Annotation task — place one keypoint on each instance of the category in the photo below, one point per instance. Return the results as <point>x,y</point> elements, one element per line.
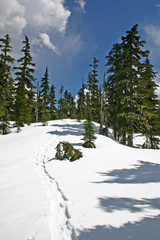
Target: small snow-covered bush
<point>65,150</point>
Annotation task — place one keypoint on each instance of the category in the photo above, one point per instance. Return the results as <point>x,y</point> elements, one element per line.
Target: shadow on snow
<point>130,204</point>
<point>147,229</point>
<point>144,172</point>
<point>68,129</point>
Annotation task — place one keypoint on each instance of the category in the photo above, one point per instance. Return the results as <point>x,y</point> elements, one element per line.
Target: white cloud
<point>47,42</point>
<point>20,16</point>
<point>32,17</point>
<point>12,18</point>
<point>153,32</point>
<point>81,5</point>
<point>46,15</point>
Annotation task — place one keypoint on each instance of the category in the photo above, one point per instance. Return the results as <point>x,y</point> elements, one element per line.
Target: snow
<point>113,192</point>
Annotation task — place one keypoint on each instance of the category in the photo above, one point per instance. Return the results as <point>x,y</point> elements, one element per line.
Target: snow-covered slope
<point>113,192</point>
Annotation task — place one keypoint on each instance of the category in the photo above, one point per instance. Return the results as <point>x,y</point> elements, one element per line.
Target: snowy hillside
<point>112,193</point>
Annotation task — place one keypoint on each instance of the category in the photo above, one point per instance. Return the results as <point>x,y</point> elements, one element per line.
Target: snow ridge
<point>58,214</point>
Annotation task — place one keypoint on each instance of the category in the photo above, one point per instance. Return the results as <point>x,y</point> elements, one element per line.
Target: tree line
<point>126,101</point>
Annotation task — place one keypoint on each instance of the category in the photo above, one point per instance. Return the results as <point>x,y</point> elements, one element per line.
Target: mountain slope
<point>113,192</point>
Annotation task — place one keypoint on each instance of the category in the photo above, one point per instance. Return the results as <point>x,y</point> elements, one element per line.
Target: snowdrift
<point>113,192</point>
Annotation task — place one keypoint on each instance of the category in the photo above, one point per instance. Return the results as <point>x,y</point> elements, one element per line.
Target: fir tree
<point>45,98</point>
<point>52,99</point>
<point>133,55</point>
<point>114,90</point>
<point>104,110</point>
<point>149,104</point>
<point>61,91</point>
<point>81,103</point>
<point>89,135</point>
<point>94,92</point>
<point>6,84</point>
<point>25,95</point>
<point>130,88</point>
<point>70,105</point>
<point>62,106</point>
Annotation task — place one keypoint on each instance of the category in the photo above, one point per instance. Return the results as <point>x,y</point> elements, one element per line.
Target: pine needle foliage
<point>65,150</point>
<point>25,95</point>
<point>6,84</point>
<point>89,134</point>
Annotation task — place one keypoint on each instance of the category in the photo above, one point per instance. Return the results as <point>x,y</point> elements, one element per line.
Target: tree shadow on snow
<point>144,172</point>
<point>147,229</point>
<point>67,129</point>
<point>130,204</point>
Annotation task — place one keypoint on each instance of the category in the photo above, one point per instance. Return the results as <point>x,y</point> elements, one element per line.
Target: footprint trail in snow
<point>58,215</point>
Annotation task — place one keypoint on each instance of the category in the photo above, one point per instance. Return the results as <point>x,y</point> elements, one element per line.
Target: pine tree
<point>89,134</point>
<point>133,55</point>
<point>6,84</point>
<point>114,91</point>
<point>130,88</point>
<point>94,92</point>
<point>45,98</point>
<point>61,90</point>
<point>25,95</point>
<point>148,102</point>
<point>104,110</point>
<point>70,105</point>
<point>81,103</point>
<point>52,99</point>
<point>62,105</point>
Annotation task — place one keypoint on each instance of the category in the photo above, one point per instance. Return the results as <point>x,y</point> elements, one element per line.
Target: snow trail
<point>58,214</point>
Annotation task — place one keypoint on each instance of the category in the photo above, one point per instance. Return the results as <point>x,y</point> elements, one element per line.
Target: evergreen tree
<point>25,95</point>
<point>62,106</point>
<point>148,102</point>
<point>89,134</point>
<point>45,98</point>
<point>61,91</point>
<point>52,98</point>
<point>133,55</point>
<point>130,88</point>
<point>104,110</point>
<point>114,91</point>
<point>94,92</point>
<point>70,105</point>
<point>6,84</point>
<point>81,103</point>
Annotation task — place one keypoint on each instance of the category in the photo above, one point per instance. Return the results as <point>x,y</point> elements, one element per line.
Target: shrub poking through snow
<point>65,150</point>
<point>89,134</point>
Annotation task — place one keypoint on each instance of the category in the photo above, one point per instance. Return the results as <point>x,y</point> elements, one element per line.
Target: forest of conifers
<point>126,102</point>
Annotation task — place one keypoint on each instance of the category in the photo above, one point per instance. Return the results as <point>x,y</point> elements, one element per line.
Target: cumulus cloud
<point>81,5</point>
<point>12,19</point>
<point>47,42</point>
<point>34,15</point>
<point>46,15</point>
<point>153,32</point>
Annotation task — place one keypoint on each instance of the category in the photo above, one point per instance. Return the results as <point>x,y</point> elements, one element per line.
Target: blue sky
<point>65,35</point>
